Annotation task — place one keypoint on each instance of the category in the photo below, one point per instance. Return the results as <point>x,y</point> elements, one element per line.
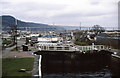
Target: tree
<point>13,32</point>
<point>97,29</point>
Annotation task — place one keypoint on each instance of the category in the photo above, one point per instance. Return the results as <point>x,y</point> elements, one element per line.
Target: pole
<point>80,25</point>
<point>16,34</point>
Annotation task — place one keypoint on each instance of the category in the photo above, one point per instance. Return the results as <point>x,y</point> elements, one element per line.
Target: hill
<point>8,21</point>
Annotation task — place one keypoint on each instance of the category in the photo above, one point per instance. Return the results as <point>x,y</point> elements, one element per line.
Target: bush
<point>7,42</point>
<point>81,43</point>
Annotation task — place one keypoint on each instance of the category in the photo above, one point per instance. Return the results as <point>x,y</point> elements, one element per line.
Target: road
<point>7,50</point>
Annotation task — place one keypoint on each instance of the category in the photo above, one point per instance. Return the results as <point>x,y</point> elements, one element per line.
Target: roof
<point>47,36</point>
<point>103,35</point>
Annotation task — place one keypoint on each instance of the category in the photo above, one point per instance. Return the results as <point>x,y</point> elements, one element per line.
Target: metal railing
<point>92,47</point>
<point>69,48</point>
<point>56,48</point>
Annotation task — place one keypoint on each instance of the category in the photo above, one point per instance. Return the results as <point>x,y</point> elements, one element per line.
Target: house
<point>48,39</point>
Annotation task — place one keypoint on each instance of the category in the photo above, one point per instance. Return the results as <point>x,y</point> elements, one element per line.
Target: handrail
<point>69,48</point>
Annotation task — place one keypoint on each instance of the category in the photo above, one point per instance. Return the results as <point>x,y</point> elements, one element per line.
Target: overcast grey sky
<point>64,12</point>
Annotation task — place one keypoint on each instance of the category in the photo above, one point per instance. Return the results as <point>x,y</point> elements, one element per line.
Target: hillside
<point>8,21</point>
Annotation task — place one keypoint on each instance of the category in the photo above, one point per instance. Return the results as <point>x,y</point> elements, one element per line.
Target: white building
<point>49,39</point>
<point>34,35</point>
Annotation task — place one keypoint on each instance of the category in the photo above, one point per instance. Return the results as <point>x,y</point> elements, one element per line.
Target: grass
<point>14,49</point>
<point>11,66</point>
<point>81,43</point>
<point>7,42</point>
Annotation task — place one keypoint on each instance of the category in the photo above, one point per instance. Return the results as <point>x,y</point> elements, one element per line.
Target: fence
<point>69,48</point>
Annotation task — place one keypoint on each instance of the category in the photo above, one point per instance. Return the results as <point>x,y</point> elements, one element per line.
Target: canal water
<point>97,64</point>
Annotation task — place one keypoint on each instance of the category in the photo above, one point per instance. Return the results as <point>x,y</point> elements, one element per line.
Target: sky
<point>64,12</point>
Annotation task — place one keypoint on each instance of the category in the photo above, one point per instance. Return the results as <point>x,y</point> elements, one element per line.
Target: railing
<point>57,48</point>
<point>69,48</point>
<point>92,47</point>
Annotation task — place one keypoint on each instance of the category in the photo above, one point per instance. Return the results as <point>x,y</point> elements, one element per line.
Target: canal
<point>95,64</point>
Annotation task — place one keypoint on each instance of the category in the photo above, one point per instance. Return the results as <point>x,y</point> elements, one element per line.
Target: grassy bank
<point>11,66</point>
<point>7,42</point>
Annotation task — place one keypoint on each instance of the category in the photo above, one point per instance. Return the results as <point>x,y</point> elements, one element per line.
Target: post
<point>80,25</point>
<point>92,46</point>
<point>16,39</point>
<point>16,34</point>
